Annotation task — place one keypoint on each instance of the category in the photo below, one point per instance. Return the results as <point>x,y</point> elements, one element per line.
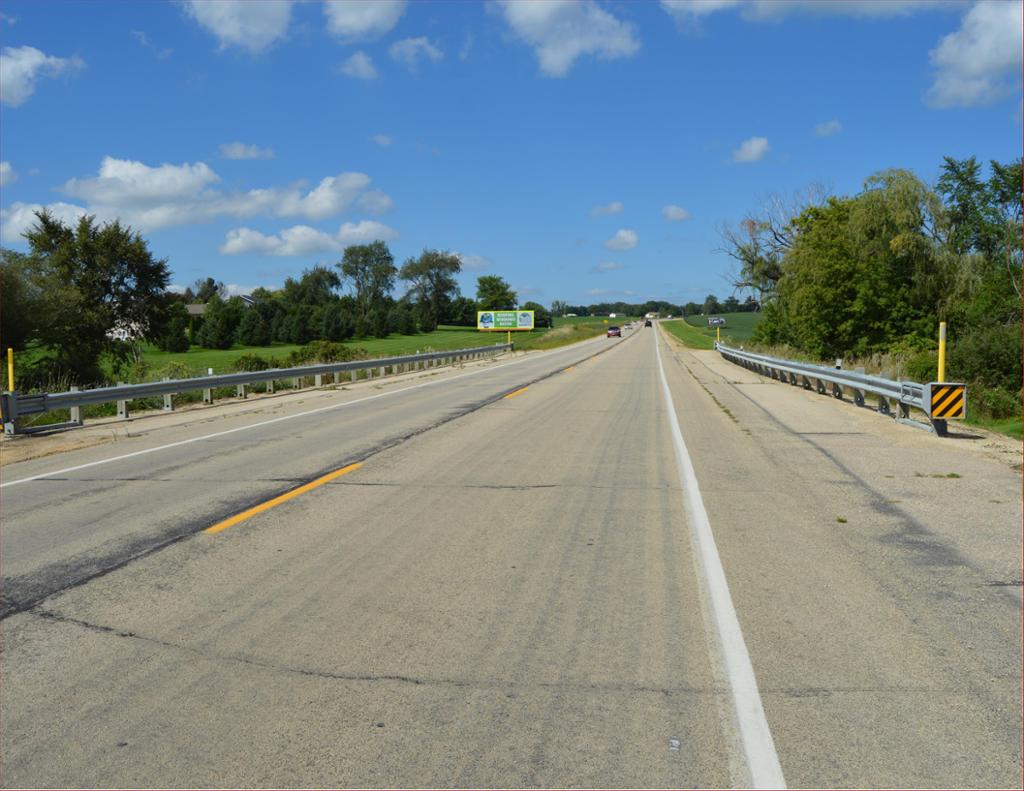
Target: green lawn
<point>690,336</point>
<point>738,326</point>
<point>1011,426</point>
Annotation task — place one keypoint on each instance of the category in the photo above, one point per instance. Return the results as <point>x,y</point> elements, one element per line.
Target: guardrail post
<point>240,391</point>
<point>270,387</point>
<point>76,411</point>
<point>207,395</point>
<point>122,406</point>
<point>168,398</point>
<point>382,370</point>
<point>355,374</point>
<point>10,407</point>
<point>296,384</point>
<point>883,405</point>
<point>337,377</point>
<point>318,380</point>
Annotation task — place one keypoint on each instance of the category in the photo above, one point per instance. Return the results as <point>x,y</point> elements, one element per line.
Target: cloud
<point>304,240</point>
<point>362,20</point>
<point>614,207</point>
<point>242,151</point>
<point>624,239</point>
<point>8,175</point>
<point>608,292</point>
<point>411,50</point>
<point>382,140</point>
<point>828,128</point>
<point>149,198</point>
<point>751,150</point>
<point>561,31</point>
<point>143,39</point>
<point>981,62</point>
<point>17,219</point>
<point>238,23</point>
<point>674,213</point>
<point>607,266</point>
<point>688,12</point>
<point>21,67</point>
<point>473,263</point>
<point>360,66</point>
<point>376,202</point>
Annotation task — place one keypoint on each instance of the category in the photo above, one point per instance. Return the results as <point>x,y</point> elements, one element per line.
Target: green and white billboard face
<point>504,320</point>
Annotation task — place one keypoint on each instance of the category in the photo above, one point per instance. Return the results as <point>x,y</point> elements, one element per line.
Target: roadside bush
<point>175,369</point>
<point>325,352</point>
<point>989,355</point>
<point>253,362</point>
<point>990,402</point>
<point>922,367</point>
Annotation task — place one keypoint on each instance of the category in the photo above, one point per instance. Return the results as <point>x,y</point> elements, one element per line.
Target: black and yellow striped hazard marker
<point>947,401</point>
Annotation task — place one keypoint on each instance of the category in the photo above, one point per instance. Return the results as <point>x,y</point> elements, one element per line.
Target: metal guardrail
<point>895,398</point>
<point>17,405</point>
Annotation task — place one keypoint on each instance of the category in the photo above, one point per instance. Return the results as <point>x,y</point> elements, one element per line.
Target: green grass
<point>690,336</point>
<point>738,326</point>
<point>1011,426</point>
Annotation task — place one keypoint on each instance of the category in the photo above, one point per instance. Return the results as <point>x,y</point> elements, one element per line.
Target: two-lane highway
<point>516,588</point>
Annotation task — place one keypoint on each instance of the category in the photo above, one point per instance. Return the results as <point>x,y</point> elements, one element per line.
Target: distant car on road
<point>614,332</point>
<point>647,323</point>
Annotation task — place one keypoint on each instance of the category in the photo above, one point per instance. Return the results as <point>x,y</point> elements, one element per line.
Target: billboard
<point>504,320</point>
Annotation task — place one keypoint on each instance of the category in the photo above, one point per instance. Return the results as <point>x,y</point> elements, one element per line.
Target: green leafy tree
<point>95,279</point>
<point>431,278</point>
<point>218,330</point>
<point>21,301</point>
<point>253,329</point>
<point>175,336</point>
<point>461,312</point>
<point>541,315</point>
<point>559,308</point>
<point>203,289</point>
<point>493,293</point>
<point>371,271</point>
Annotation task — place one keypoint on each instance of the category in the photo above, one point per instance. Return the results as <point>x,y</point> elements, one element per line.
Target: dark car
<point>647,323</point>
<point>614,332</point>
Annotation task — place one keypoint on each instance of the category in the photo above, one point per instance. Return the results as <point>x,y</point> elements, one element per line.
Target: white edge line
<point>263,423</point>
<point>755,736</point>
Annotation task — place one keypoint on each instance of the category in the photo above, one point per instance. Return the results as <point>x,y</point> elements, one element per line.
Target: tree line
<point>88,294</point>
<point>876,271</point>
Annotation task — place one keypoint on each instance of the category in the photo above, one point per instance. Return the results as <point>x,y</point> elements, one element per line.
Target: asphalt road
<point>511,590</point>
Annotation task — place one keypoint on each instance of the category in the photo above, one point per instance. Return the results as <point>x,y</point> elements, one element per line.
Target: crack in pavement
<point>485,684</point>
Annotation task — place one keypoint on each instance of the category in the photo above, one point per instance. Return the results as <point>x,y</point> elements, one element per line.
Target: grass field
<point>695,332</point>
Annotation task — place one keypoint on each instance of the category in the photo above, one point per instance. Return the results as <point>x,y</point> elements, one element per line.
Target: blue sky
<point>585,151</point>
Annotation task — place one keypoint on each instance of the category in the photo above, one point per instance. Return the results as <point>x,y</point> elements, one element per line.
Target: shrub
<point>325,352</point>
<point>253,362</point>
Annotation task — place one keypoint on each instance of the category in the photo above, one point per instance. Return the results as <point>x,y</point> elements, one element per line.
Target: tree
<point>337,323</point>
<point>711,304</point>
<point>21,302</point>
<point>175,337</point>
<point>95,279</point>
<point>202,290</point>
<point>218,330</point>
<point>315,287</point>
<point>432,281</point>
<point>559,308</point>
<point>461,312</point>
<point>493,293</point>
<point>253,329</point>
<point>541,315</point>
<point>371,270</point>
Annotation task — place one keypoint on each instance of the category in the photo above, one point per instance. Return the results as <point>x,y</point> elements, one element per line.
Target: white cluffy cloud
<point>242,151</point>
<point>362,20</point>
<point>382,140</point>
<point>674,213</point>
<point>624,239</point>
<point>615,207</point>
<point>149,198</point>
<point>751,150</point>
<point>607,266</point>
<point>304,240</point>
<point>411,51</point>
<point>239,23</point>
<point>7,174</point>
<point>689,11</point>
<point>981,62</point>
<point>21,67</point>
<point>828,128</point>
<point>560,31</point>
<point>359,65</point>
<point>473,263</point>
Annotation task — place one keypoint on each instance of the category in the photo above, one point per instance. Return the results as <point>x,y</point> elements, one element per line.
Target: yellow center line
<point>568,369</point>
<point>514,393</point>
<point>283,498</point>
